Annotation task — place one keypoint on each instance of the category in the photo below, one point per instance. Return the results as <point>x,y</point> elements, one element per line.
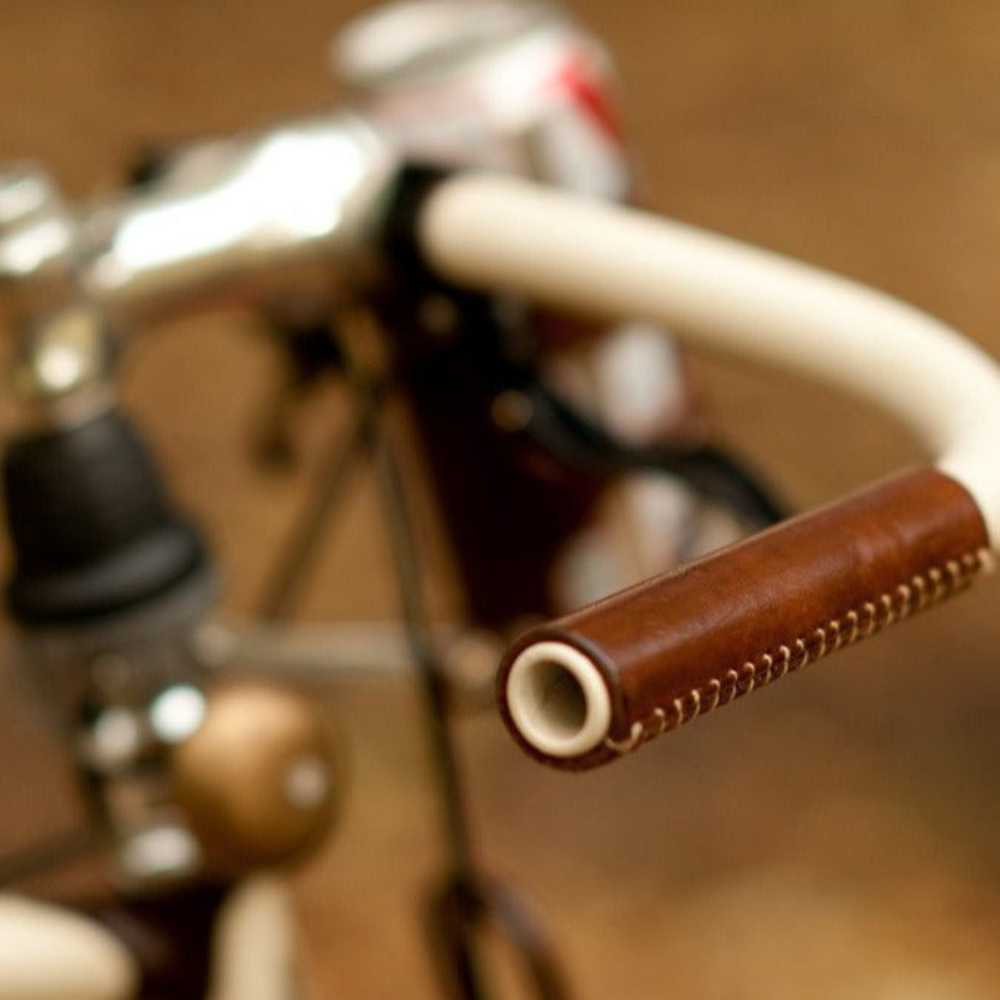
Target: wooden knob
<point>258,780</point>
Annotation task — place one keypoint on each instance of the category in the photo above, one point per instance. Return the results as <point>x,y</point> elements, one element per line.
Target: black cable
<point>465,970</point>
<point>418,631</point>
<point>463,909</point>
<point>712,472</point>
<point>468,901</point>
<point>301,549</point>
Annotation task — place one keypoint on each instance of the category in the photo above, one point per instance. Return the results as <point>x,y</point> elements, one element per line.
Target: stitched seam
<point>920,591</point>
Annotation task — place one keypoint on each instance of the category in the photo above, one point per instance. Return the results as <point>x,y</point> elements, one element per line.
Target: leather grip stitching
<point>871,616</point>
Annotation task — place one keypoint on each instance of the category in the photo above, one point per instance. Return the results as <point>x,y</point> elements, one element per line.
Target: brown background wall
<point>834,838</point>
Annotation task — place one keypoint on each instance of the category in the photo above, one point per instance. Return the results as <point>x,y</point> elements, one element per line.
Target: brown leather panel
<point>682,644</point>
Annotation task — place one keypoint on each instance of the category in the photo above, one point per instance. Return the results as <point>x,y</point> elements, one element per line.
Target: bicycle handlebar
<point>598,683</point>
<point>607,678</point>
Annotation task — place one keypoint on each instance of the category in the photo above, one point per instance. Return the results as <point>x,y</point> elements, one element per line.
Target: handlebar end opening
<point>558,700</point>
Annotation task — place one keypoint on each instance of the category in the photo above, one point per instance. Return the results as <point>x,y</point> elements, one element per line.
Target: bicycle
<point>458,264</point>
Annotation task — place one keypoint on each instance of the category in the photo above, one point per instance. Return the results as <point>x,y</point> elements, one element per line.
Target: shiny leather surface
<point>685,643</point>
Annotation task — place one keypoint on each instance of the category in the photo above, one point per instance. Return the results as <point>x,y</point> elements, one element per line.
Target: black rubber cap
<point>91,527</point>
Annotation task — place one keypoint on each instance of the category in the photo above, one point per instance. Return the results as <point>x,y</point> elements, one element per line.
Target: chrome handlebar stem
<point>287,210</point>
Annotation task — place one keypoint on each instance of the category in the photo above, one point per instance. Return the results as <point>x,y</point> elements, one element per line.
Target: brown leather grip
<point>679,645</point>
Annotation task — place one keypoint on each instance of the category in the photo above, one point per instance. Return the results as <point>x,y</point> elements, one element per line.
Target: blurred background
<point>835,837</point>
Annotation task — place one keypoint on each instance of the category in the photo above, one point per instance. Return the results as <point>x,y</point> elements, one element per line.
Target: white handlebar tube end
<point>558,700</point>
<point>49,951</point>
